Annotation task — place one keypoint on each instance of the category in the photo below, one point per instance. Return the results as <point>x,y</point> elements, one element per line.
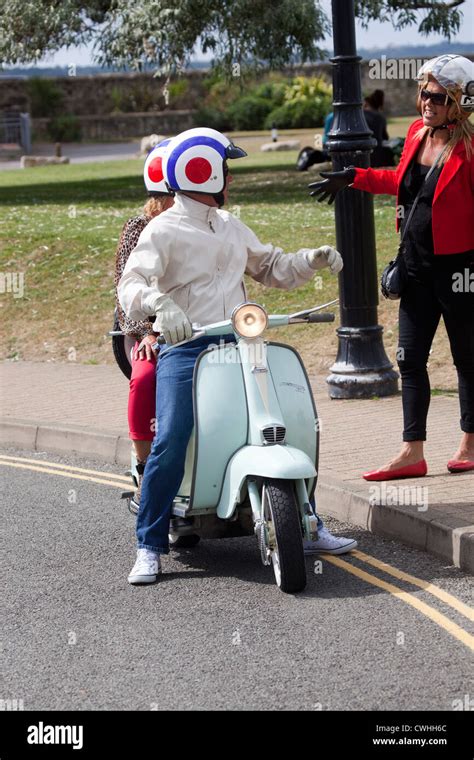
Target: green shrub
<point>179,88</point>
<point>207,116</point>
<point>271,91</point>
<point>306,103</point>
<point>65,128</point>
<point>297,115</point>
<point>291,103</point>
<point>307,88</point>
<point>249,112</point>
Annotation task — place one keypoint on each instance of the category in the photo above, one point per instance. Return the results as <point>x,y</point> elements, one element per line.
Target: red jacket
<point>453,202</point>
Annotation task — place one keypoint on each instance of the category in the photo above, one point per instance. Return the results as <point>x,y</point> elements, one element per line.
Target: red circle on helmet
<point>198,170</point>
<point>155,170</point>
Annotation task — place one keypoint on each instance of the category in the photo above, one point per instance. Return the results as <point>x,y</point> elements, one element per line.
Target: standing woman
<point>141,400</point>
<point>437,251</point>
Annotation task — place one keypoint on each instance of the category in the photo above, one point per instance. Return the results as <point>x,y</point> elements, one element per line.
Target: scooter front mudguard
<point>282,462</point>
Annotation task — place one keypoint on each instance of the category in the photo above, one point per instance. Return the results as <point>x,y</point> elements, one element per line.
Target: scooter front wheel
<point>285,536</point>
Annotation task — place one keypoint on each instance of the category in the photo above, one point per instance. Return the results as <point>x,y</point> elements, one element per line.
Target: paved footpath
<point>74,407</point>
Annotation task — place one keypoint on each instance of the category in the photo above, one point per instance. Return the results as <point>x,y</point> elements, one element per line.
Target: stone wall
<point>103,94</point>
<point>110,106</point>
<point>124,125</point>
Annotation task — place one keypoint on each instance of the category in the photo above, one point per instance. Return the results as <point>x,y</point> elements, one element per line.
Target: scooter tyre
<point>281,500</point>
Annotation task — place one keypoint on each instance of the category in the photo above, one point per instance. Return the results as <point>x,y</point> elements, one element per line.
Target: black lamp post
<point>362,368</point>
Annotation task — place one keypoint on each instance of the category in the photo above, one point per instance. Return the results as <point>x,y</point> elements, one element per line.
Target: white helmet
<point>195,161</point>
<point>153,170</point>
<point>452,71</point>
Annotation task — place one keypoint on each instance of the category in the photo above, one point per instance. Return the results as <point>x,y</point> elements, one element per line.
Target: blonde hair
<point>156,205</point>
<point>463,128</point>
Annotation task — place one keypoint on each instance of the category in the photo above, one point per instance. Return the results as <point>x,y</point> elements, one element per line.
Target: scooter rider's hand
<point>332,184</point>
<point>171,321</point>
<point>318,258</point>
<point>145,350</point>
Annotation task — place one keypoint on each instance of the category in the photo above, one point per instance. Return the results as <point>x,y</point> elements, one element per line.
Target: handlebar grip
<point>326,317</point>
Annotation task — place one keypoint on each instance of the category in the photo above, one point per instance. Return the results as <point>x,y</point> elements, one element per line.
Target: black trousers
<point>447,290</point>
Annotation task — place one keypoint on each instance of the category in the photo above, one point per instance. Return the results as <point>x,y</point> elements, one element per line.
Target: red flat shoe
<point>464,466</point>
<point>417,470</point>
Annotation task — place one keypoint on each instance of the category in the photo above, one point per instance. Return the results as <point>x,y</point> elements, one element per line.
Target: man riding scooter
<point>188,268</point>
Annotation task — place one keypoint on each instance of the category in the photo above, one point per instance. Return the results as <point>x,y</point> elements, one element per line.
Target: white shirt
<point>197,255</point>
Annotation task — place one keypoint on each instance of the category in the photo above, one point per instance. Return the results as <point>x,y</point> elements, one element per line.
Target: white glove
<point>171,321</point>
<point>318,258</point>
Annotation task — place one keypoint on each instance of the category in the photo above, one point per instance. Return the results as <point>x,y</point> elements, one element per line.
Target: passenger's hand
<point>171,321</point>
<point>145,350</point>
<point>318,258</point>
<point>332,184</point>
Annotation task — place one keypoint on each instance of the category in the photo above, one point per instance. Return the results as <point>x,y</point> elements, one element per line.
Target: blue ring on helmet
<point>182,147</point>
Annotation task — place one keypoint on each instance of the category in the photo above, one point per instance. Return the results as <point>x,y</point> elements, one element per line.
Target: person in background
<point>309,156</point>
<point>437,251</point>
<point>141,399</point>
<point>328,122</point>
<point>381,155</point>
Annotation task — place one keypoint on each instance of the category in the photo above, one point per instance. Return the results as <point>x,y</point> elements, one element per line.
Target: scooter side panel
<point>296,400</point>
<point>220,419</point>
<point>282,462</point>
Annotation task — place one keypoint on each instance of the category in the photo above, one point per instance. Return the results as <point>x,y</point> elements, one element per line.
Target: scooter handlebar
<point>274,320</point>
<point>325,317</point>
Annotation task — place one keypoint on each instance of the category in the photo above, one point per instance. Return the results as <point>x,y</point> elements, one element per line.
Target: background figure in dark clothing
<point>382,155</point>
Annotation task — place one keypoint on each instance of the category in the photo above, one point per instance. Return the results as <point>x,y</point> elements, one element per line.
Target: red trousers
<point>141,399</point>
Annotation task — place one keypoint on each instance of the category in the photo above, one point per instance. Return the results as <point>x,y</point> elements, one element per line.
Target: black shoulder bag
<point>394,275</point>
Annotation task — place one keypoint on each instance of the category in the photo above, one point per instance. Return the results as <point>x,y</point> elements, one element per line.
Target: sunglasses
<point>437,98</point>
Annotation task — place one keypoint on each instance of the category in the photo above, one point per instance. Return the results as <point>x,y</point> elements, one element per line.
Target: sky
<point>377,35</point>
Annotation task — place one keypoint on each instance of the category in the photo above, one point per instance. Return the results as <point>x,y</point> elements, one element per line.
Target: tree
<point>164,33</point>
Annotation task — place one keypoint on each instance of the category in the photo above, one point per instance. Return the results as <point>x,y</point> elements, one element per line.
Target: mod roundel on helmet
<point>196,161</point>
<point>153,170</point>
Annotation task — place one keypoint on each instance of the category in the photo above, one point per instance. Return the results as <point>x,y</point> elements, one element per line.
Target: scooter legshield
<point>222,426</point>
<point>282,462</point>
<point>220,422</point>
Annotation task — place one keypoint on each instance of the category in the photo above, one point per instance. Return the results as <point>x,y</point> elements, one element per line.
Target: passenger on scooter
<point>188,267</point>
<point>141,400</point>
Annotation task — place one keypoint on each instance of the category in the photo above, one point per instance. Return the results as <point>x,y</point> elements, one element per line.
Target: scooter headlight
<point>249,320</point>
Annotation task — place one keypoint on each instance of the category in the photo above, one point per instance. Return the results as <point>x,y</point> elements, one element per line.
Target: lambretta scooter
<point>251,464</point>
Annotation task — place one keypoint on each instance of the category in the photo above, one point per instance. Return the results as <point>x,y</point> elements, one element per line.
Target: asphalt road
<point>214,632</point>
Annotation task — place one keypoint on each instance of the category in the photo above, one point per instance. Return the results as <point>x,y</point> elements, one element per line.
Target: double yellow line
<point>122,482</point>
<point>405,596</point>
<point>67,471</point>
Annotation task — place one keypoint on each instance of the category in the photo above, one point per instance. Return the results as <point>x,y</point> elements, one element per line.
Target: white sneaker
<point>329,544</point>
<point>146,568</point>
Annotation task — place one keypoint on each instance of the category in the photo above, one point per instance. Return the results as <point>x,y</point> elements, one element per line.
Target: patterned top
<point>128,240</point>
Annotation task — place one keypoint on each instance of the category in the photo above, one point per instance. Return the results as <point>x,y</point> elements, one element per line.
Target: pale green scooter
<point>252,460</point>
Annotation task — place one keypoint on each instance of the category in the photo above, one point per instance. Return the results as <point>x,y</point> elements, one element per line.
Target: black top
<point>418,250</point>
<point>378,124</point>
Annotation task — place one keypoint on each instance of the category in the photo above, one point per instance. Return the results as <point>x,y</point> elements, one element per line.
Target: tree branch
<point>414,5</point>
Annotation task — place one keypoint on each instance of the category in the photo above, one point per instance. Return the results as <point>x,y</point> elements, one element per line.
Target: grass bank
<point>60,227</point>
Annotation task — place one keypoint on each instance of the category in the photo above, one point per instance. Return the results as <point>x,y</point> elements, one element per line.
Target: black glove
<point>333,182</point>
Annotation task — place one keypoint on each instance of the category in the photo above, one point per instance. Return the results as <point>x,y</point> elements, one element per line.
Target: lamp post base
<point>362,368</point>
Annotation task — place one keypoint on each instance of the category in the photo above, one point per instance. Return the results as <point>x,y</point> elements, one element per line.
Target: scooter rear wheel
<point>283,519</point>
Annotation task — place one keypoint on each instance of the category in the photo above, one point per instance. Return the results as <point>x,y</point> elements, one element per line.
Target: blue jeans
<point>165,465</point>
